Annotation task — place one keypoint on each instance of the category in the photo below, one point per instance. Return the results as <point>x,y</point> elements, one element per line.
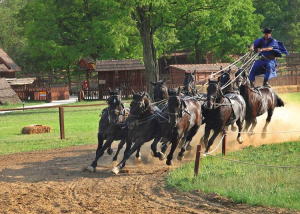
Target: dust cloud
<point>285,120</point>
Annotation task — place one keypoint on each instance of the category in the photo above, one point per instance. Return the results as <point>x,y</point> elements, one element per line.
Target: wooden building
<point>127,74</point>
<point>7,66</point>
<point>176,73</point>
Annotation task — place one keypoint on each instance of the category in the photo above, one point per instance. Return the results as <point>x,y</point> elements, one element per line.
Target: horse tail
<point>280,102</point>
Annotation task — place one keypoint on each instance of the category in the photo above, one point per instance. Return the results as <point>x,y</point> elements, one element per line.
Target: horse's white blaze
<point>115,170</point>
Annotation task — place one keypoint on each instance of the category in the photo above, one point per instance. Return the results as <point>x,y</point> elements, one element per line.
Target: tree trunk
<point>149,51</point>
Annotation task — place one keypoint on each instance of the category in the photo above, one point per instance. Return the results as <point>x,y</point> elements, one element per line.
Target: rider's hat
<point>267,30</point>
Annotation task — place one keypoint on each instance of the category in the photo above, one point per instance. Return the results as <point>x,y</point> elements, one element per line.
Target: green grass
<point>254,185</point>
<point>290,97</point>
<point>81,127</point>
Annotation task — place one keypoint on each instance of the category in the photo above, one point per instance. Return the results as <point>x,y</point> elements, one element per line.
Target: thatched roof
<point>7,94</point>
<point>7,64</point>
<point>119,65</point>
<point>21,81</point>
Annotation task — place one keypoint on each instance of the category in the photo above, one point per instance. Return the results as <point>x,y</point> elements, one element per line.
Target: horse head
<point>160,90</point>
<point>189,83</point>
<point>224,79</point>
<point>214,92</point>
<point>241,77</point>
<point>116,107</point>
<point>175,106</point>
<point>139,104</point>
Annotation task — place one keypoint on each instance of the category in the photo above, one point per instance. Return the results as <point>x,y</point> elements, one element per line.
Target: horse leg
<point>247,125</point>
<point>100,142</point>
<point>109,150</point>
<point>189,138</point>
<point>253,122</point>
<point>206,136</point>
<point>138,158</point>
<point>174,141</point>
<point>128,146</point>
<point>212,139</point>
<point>127,155</point>
<point>239,124</point>
<point>164,147</point>
<point>120,146</point>
<point>154,151</point>
<point>233,128</point>
<point>99,153</point>
<point>268,120</point>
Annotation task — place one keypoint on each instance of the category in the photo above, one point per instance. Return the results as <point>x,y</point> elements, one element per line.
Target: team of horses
<point>175,116</point>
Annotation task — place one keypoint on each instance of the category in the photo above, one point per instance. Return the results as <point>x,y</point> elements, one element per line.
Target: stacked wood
<point>36,129</point>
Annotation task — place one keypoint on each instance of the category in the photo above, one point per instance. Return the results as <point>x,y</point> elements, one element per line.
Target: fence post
<point>197,160</point>
<point>61,123</point>
<point>224,142</point>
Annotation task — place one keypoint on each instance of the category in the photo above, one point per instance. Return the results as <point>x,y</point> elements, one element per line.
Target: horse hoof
<point>114,163</point>
<point>115,170</point>
<point>109,151</point>
<point>204,154</point>
<point>90,169</point>
<point>240,140</point>
<point>180,157</point>
<point>138,160</point>
<point>169,162</point>
<point>250,133</point>
<point>189,148</point>
<point>233,128</point>
<point>161,156</point>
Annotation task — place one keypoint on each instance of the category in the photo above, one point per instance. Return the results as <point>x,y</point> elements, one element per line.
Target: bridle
<point>117,112</point>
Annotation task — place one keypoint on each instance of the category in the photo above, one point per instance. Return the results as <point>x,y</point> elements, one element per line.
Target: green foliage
<point>254,185</point>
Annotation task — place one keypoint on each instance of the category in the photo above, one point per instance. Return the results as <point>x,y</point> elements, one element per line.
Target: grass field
<point>244,183</point>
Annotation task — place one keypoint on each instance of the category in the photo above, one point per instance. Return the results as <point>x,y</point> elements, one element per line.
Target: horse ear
<point>120,90</point>
<point>109,90</point>
<point>178,91</point>
<point>221,67</point>
<point>154,84</point>
<point>194,72</point>
<point>143,94</point>
<point>132,91</point>
<point>164,80</point>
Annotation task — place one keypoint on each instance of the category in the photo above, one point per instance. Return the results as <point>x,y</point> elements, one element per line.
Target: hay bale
<point>36,129</point>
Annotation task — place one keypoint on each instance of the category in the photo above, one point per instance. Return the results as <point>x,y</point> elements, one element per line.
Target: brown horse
<point>258,101</point>
<point>185,118</point>
<point>222,111</point>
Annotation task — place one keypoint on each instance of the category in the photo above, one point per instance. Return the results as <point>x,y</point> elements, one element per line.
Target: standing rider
<point>268,49</point>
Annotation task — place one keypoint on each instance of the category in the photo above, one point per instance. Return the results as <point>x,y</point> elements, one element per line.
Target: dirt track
<point>54,181</point>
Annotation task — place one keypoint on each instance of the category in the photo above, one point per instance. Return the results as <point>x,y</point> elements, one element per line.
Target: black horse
<point>142,125</point>
<point>160,90</point>
<point>112,127</point>
<point>222,111</point>
<point>189,84</point>
<point>258,101</point>
<point>185,119</point>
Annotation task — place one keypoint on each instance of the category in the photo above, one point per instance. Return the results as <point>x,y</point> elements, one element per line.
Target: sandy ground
<point>54,181</point>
